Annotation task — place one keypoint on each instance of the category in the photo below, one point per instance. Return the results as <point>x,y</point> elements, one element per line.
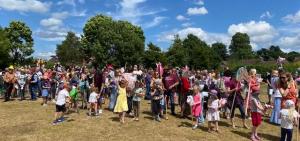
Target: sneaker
<point>54,122</point>
<point>100,111</point>
<point>96,114</point>
<point>195,127</point>
<point>158,119</point>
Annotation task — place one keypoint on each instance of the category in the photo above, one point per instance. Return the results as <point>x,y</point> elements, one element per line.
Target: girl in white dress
<point>213,115</point>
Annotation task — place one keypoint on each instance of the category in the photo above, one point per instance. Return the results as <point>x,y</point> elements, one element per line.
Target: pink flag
<point>159,68</point>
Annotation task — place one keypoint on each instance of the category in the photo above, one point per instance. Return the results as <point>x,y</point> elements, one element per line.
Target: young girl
<point>157,96</point>
<point>289,117</point>
<point>121,105</point>
<point>213,111</point>
<point>137,96</point>
<point>45,89</point>
<point>256,117</point>
<point>93,101</point>
<point>196,105</point>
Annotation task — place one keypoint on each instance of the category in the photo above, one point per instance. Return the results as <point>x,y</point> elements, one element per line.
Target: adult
<point>287,88</point>
<point>276,98</point>
<point>33,83</point>
<point>184,90</point>
<point>9,80</point>
<point>235,99</point>
<point>171,82</point>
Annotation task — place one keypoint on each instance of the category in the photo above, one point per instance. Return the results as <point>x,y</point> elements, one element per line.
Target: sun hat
<point>11,67</point>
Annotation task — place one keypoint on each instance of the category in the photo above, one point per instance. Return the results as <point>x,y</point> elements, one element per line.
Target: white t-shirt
<point>93,97</point>
<point>61,97</point>
<point>285,121</point>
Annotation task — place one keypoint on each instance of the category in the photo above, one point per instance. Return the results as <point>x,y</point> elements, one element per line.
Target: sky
<point>267,22</point>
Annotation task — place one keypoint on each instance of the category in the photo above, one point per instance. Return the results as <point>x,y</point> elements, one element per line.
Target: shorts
<point>60,108</point>
<point>45,93</point>
<point>256,119</point>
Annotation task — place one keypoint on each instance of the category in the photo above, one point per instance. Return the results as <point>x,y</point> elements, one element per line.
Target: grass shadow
<point>185,124</point>
<point>70,120</point>
<point>242,134</point>
<point>115,119</point>
<point>265,136</point>
<point>149,118</point>
<point>147,113</point>
<point>223,123</point>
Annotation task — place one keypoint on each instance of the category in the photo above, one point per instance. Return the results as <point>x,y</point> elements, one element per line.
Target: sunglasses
<point>282,77</point>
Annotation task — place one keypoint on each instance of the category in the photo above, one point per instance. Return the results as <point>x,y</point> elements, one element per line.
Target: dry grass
<point>28,120</point>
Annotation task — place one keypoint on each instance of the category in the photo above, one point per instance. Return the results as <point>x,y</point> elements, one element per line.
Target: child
<point>93,101</point>
<point>157,96</point>
<point>289,117</point>
<point>196,105</point>
<point>45,89</point>
<point>213,111</point>
<point>256,115</point>
<point>74,98</point>
<point>138,94</point>
<point>121,105</point>
<point>60,104</point>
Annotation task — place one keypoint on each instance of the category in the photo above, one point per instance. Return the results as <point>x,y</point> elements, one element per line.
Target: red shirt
<point>185,87</point>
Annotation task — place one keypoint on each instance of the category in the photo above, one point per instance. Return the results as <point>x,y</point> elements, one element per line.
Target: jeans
<point>241,108</point>
<point>170,94</point>
<point>286,133</point>
<point>136,108</point>
<point>112,98</point>
<point>129,102</point>
<point>148,94</point>
<point>33,89</point>
<point>9,87</point>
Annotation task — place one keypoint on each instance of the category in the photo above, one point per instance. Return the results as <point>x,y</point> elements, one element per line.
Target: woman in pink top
<point>196,106</point>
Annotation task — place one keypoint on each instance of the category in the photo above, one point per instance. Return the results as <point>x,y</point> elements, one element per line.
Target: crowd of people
<point>207,95</point>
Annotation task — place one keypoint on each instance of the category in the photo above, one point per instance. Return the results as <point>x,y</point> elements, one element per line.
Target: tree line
<point>108,41</point>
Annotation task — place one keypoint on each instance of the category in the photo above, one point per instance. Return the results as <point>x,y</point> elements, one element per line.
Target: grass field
<point>29,120</point>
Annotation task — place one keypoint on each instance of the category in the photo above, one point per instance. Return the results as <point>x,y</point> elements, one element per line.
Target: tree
<point>177,55</point>
<point>4,49</point>
<point>21,41</point>
<point>240,47</point>
<point>68,52</point>
<point>291,56</point>
<point>275,52</point>
<point>264,54</point>
<point>109,41</point>
<point>220,49</point>
<point>153,55</point>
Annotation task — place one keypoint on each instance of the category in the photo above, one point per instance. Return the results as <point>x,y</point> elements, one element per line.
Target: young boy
<point>61,104</point>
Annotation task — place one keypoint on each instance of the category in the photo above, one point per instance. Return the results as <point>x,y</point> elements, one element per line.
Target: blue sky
<point>267,22</point>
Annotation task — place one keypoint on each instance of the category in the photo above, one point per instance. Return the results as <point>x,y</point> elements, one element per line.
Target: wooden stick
<point>298,125</point>
<point>232,105</point>
<point>247,101</point>
<point>166,104</point>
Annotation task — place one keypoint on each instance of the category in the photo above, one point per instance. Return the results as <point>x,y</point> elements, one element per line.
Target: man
<point>61,104</point>
<point>171,81</point>
<point>9,80</point>
<point>33,84</point>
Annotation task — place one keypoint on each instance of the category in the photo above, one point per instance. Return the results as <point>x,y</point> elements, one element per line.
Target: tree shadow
<point>149,118</point>
<point>70,120</point>
<point>147,113</point>
<point>185,124</point>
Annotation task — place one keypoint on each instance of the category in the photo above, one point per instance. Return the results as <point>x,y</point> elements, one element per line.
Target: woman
<point>287,88</point>
<point>237,102</point>
<point>276,98</point>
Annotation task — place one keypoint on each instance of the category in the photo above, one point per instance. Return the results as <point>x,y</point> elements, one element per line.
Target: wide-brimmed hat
<point>11,67</point>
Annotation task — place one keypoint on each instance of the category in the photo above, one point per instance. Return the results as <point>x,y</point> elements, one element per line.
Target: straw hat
<point>11,67</point>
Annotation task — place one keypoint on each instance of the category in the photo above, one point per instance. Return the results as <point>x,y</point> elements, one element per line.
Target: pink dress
<point>197,109</point>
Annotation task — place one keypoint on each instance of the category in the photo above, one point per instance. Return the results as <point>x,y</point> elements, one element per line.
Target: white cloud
<point>208,37</point>
<point>44,55</point>
<point>199,2</point>
<point>187,24</point>
<point>81,1</point>
<point>48,35</point>
<point>266,15</point>
<point>25,5</point>
<point>259,32</point>
<point>181,18</point>
<point>290,42</point>
<point>290,18</point>
<point>156,21</point>
<point>67,2</point>
<point>197,11</point>
<point>50,22</point>
<point>60,15</point>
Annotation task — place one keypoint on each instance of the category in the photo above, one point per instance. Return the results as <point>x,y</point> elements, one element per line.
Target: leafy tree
<point>291,56</point>
<point>153,55</point>
<point>68,52</point>
<point>21,41</point>
<point>109,41</point>
<point>240,47</point>
<point>177,55</point>
<point>264,53</point>
<point>220,49</point>
<point>4,49</point>
<point>275,52</point>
